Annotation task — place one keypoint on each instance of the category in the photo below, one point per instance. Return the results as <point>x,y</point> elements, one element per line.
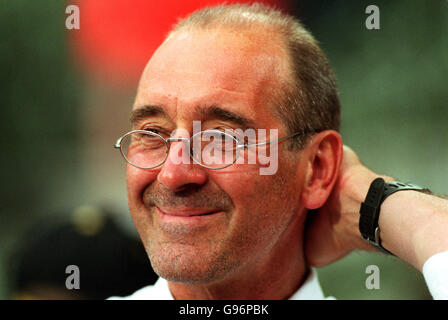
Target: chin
<point>190,266</point>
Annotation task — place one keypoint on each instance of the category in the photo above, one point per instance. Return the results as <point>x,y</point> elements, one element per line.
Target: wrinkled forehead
<point>191,61</point>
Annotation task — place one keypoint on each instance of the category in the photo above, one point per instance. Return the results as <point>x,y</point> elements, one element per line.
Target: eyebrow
<point>143,112</point>
<point>216,112</point>
<point>205,111</point>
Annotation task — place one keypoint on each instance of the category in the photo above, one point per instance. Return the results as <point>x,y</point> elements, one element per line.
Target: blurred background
<point>66,97</point>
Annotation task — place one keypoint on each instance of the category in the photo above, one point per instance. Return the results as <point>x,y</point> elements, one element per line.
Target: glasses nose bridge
<point>178,139</point>
<point>169,140</point>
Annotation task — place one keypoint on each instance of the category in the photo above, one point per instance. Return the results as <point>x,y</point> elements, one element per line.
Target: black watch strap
<point>370,209</point>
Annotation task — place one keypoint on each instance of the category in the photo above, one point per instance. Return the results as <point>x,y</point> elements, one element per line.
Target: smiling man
<point>233,233</point>
<point>229,232</point>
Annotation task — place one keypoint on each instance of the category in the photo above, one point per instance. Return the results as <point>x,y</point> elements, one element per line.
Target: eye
<point>153,130</point>
<point>233,132</point>
<point>218,129</point>
<point>157,130</point>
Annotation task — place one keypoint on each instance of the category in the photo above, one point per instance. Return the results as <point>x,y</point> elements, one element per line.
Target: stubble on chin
<point>190,264</point>
<point>183,253</point>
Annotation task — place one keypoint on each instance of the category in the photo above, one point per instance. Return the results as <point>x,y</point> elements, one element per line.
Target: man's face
<point>200,225</point>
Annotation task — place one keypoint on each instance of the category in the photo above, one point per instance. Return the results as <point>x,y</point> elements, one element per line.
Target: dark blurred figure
<point>110,262</point>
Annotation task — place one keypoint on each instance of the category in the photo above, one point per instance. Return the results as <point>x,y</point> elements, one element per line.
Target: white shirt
<point>435,272</point>
<point>310,290</point>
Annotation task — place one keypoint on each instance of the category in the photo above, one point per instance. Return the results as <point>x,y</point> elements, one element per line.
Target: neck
<point>276,275</point>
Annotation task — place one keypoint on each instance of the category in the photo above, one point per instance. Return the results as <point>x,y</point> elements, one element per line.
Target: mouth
<point>187,212</point>
<point>192,217</point>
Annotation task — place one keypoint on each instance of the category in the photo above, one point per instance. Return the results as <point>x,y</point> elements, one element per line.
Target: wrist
<point>370,211</point>
<point>398,225</point>
<point>358,197</point>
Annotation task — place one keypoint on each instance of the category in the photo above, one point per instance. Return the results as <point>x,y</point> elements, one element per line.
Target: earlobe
<point>324,163</point>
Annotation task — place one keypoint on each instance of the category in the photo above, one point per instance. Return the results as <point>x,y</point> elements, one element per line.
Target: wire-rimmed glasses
<point>212,149</point>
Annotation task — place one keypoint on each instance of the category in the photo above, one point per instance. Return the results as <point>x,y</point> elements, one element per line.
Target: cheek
<point>250,193</point>
<point>265,199</point>
<point>263,210</point>
<point>237,184</point>
<point>137,180</point>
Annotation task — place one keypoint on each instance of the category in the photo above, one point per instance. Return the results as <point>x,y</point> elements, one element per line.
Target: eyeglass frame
<point>239,146</point>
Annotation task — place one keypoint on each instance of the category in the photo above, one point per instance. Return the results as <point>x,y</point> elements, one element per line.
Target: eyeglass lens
<point>212,149</point>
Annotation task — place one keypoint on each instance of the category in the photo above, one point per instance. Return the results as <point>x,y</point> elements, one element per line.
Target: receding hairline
<point>244,18</point>
<point>257,31</point>
<point>307,97</point>
<point>254,20</point>
<point>235,19</point>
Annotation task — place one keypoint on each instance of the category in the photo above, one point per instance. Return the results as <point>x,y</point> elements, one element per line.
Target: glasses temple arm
<point>118,143</point>
<point>269,142</point>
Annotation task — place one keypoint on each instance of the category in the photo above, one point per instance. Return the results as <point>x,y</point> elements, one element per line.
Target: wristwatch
<point>370,209</point>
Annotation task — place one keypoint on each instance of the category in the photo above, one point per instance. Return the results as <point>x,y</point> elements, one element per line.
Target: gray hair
<point>308,101</point>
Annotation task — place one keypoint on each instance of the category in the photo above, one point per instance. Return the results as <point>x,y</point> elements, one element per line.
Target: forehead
<point>235,70</point>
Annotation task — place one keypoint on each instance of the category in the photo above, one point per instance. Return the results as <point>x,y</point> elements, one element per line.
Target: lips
<point>187,212</point>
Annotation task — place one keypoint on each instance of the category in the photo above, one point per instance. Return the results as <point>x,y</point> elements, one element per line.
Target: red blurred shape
<point>117,37</point>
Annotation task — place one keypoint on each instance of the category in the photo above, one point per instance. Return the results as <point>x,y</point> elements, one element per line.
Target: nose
<point>179,170</point>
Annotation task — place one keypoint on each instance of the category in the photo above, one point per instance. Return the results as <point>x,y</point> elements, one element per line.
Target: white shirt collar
<point>310,290</point>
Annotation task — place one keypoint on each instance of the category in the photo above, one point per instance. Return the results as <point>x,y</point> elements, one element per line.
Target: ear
<point>324,160</point>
